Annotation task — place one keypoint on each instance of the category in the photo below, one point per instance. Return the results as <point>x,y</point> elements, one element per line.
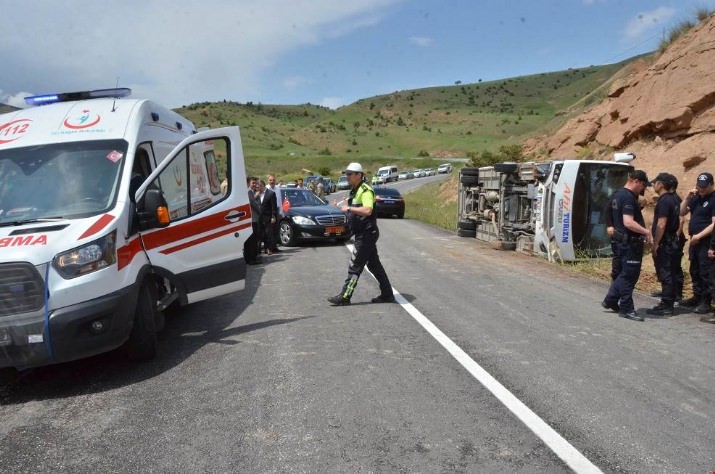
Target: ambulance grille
<point>20,289</point>
<point>331,220</point>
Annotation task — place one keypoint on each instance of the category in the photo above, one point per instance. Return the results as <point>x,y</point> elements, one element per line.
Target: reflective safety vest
<point>361,196</point>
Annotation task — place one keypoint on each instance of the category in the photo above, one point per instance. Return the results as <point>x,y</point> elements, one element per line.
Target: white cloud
<point>15,100</point>
<point>648,21</point>
<point>421,40</point>
<point>332,102</point>
<point>173,52</point>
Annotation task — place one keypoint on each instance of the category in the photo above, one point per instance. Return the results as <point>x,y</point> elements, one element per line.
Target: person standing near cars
<point>279,199</point>
<point>666,248</point>
<point>363,223</point>
<point>252,244</point>
<point>700,203</point>
<point>269,216</point>
<point>630,234</point>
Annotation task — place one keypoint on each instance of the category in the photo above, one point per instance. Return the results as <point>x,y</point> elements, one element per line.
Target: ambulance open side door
<point>196,234</point>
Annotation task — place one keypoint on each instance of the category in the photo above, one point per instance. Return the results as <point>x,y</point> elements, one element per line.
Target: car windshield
<point>66,180</point>
<point>302,197</point>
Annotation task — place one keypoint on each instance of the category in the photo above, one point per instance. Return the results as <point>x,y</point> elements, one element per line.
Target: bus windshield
<point>595,184</point>
<point>59,180</point>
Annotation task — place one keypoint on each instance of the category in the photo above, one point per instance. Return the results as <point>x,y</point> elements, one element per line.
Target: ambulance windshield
<point>59,180</point>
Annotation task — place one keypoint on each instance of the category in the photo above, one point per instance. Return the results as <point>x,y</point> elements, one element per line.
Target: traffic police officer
<point>363,223</point>
<point>666,248</point>
<point>630,235</point>
<point>700,203</point>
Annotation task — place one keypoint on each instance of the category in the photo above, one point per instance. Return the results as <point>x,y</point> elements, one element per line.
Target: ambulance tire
<point>141,345</point>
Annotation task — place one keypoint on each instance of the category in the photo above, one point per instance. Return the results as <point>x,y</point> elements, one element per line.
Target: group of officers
<point>629,236</point>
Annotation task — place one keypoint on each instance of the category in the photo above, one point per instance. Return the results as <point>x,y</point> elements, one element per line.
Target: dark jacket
<point>255,206</point>
<point>269,206</point>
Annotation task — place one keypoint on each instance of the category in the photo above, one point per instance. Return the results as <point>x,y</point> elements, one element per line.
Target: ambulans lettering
<point>11,131</point>
<point>25,240</point>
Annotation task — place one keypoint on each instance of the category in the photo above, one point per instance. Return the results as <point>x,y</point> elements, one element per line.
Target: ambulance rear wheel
<point>141,345</point>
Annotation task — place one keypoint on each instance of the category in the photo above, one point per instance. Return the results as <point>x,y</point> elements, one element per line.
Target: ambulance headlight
<point>88,258</point>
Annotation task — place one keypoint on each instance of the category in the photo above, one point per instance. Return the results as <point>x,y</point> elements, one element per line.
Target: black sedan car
<point>309,218</point>
<point>389,202</point>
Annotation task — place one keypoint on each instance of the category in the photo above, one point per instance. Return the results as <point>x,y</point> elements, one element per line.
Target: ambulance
<point>111,210</point>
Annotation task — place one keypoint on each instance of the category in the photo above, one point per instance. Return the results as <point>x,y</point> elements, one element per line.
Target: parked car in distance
<point>430,172</point>
<point>389,202</point>
<point>329,185</point>
<point>444,168</point>
<point>377,179</point>
<point>419,173</point>
<point>342,183</point>
<point>309,218</point>
<point>405,175</point>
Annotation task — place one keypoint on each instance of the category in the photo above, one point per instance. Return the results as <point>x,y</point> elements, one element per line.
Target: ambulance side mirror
<point>153,210</point>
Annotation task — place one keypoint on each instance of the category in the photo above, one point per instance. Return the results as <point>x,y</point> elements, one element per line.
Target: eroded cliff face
<point>663,111</point>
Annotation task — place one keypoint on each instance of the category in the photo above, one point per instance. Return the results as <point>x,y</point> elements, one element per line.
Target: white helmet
<point>354,168</point>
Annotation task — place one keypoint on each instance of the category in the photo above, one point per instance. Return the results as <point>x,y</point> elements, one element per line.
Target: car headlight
<point>88,258</point>
<point>300,220</point>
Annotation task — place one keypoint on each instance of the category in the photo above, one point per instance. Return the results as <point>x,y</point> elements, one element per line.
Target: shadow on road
<point>187,331</point>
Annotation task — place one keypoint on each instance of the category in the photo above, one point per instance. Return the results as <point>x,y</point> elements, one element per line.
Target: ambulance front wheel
<point>141,345</point>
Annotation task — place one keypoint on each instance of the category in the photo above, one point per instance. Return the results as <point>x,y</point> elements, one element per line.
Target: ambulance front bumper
<point>75,332</point>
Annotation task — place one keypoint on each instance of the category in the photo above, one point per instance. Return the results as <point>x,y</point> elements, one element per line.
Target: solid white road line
<point>562,448</point>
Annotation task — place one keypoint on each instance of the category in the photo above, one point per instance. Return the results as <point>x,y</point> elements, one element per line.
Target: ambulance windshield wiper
<point>31,221</point>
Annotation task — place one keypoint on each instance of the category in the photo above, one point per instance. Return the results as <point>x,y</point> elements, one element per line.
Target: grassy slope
<point>437,121</point>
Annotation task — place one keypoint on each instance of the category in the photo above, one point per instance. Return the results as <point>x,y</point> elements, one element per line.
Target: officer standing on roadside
<point>363,223</point>
<point>630,235</point>
<point>700,203</point>
<point>666,248</point>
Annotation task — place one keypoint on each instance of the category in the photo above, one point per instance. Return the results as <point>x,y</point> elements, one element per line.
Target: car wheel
<point>141,345</point>
<point>286,234</point>
<point>401,215</point>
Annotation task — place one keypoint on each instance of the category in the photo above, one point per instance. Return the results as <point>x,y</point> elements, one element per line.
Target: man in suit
<point>250,248</point>
<point>269,216</point>
<point>279,200</point>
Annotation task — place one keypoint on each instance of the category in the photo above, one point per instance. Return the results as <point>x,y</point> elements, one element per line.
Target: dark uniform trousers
<point>621,290</point>
<point>365,253</point>
<point>615,261</point>
<point>678,275</point>
<point>700,271</point>
<point>667,263</point>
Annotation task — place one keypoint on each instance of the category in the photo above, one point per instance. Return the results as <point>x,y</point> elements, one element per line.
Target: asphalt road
<point>273,379</point>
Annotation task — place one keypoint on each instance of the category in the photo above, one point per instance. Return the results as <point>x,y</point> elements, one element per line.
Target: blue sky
<point>325,52</point>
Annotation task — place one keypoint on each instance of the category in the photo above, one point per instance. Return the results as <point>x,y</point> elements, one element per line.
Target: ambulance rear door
<point>201,248</point>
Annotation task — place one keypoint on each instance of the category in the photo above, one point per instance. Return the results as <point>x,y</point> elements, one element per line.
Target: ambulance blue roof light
<point>82,95</point>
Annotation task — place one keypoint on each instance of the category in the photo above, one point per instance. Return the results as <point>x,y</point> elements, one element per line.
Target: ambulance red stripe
<point>206,238</point>
<point>100,224</point>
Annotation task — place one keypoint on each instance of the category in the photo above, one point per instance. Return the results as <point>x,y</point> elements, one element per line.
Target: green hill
<point>435,122</point>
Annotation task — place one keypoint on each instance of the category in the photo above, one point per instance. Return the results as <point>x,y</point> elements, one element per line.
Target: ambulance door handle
<point>234,215</point>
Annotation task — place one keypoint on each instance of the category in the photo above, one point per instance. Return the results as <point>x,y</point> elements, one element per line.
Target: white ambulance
<point>110,211</point>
